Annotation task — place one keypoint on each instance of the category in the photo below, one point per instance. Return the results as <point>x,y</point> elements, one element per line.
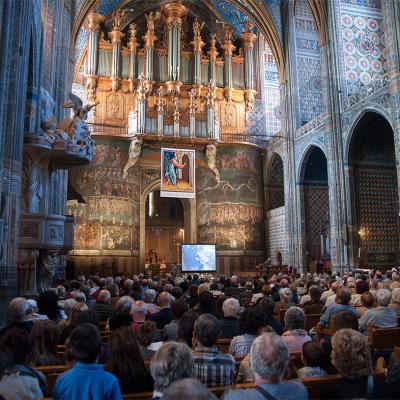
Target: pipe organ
<point>169,82</point>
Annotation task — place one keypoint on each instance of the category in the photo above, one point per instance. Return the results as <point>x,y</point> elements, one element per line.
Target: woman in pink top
<point>295,335</point>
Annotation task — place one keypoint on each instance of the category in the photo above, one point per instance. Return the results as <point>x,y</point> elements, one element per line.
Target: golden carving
<point>160,100</point>
<point>249,97</point>
<point>213,52</point>
<point>175,101</point>
<point>228,118</point>
<point>211,94</point>
<point>94,21</point>
<point>197,43</point>
<point>132,38</point>
<point>192,107</point>
<point>114,106</point>
<point>141,88</point>
<point>248,37</point>
<point>174,13</point>
<point>173,87</point>
<point>91,85</point>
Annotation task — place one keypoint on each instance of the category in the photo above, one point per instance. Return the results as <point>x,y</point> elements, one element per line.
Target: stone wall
<point>275,221</point>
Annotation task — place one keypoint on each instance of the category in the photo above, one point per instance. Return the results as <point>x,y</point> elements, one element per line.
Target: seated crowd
<point>118,336</point>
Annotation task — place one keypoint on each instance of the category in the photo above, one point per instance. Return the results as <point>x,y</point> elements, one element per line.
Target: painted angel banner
<point>178,173</point>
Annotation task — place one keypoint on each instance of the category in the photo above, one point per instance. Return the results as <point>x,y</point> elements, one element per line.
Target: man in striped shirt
<point>213,368</point>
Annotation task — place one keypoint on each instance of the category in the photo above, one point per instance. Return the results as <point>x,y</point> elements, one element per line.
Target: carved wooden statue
<point>134,154</point>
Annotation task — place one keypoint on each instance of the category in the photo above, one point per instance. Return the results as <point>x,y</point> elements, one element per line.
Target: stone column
<point>116,37</point>
<point>132,44</point>
<point>213,54</point>
<point>228,52</point>
<point>93,25</point>
<point>149,40</point>
<point>248,38</point>
<point>174,12</point>
<point>197,44</point>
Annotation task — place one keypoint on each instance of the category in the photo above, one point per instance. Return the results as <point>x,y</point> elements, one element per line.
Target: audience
<point>122,316</point>
<point>230,326</point>
<point>126,362</point>
<point>213,368</point>
<point>44,337</point>
<point>351,356</point>
<point>13,383</point>
<point>188,388</point>
<point>86,379</point>
<point>172,362</point>
<point>382,316</point>
<point>295,335</point>
<point>343,298</point>
<point>103,307</point>
<point>171,331</point>
<point>164,316</point>
<point>139,325</point>
<point>312,355</point>
<point>20,311</point>
<point>251,320</point>
<point>269,358</point>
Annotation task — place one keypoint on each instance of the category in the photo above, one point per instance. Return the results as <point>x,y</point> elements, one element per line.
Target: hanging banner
<point>178,173</point>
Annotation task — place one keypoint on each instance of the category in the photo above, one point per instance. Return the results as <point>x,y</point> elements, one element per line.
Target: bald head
<point>164,299</point>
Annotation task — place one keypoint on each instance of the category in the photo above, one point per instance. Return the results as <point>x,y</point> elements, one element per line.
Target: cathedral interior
<point>290,109</point>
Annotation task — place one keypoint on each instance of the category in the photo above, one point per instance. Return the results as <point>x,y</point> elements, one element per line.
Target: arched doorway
<point>275,219</point>
<point>164,228</point>
<point>316,218</point>
<point>374,193</point>
<point>189,233</point>
<point>275,189</point>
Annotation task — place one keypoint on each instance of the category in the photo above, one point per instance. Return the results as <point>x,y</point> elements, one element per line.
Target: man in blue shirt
<point>87,379</point>
<point>343,297</point>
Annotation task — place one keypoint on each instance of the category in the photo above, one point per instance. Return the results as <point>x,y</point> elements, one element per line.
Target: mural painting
<point>109,218</point>
<point>230,212</point>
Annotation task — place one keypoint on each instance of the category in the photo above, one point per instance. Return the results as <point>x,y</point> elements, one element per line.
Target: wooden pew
<point>320,331</point>
<point>312,321</point>
<point>383,338</point>
<point>223,345</point>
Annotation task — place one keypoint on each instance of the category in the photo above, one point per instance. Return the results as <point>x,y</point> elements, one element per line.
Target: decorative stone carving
<point>32,190</point>
<point>211,94</point>
<point>211,157</point>
<point>76,127</point>
<point>149,175</point>
<point>47,268</point>
<point>134,154</point>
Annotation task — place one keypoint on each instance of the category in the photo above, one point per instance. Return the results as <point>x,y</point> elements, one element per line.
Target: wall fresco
<point>230,212</point>
<point>109,219</point>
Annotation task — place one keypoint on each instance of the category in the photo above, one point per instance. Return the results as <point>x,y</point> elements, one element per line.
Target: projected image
<point>198,257</point>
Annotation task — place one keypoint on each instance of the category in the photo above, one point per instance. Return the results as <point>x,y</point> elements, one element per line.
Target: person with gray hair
<point>149,298</point>
<point>295,335</point>
<point>172,362</point>
<point>139,312</point>
<point>382,316</point>
<point>286,296</point>
<point>269,358</point>
<point>188,389</point>
<point>103,307</point>
<point>20,310</point>
<point>230,326</point>
<point>164,316</point>
<point>123,316</point>
<point>213,367</point>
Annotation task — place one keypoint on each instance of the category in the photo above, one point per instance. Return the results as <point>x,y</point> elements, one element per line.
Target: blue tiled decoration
<point>80,42</point>
<point>272,93</point>
<point>106,6</point>
<point>363,53</point>
<point>274,7</point>
<point>308,64</point>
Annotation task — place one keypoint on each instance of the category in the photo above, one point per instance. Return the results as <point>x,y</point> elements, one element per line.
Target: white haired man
<point>20,311</point>
<point>103,307</point>
<point>269,358</point>
<point>381,316</point>
<point>230,326</point>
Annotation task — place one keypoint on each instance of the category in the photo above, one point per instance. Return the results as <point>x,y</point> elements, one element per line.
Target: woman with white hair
<point>123,316</point>
<point>295,335</point>
<point>173,361</point>
<point>286,296</point>
<point>230,326</point>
